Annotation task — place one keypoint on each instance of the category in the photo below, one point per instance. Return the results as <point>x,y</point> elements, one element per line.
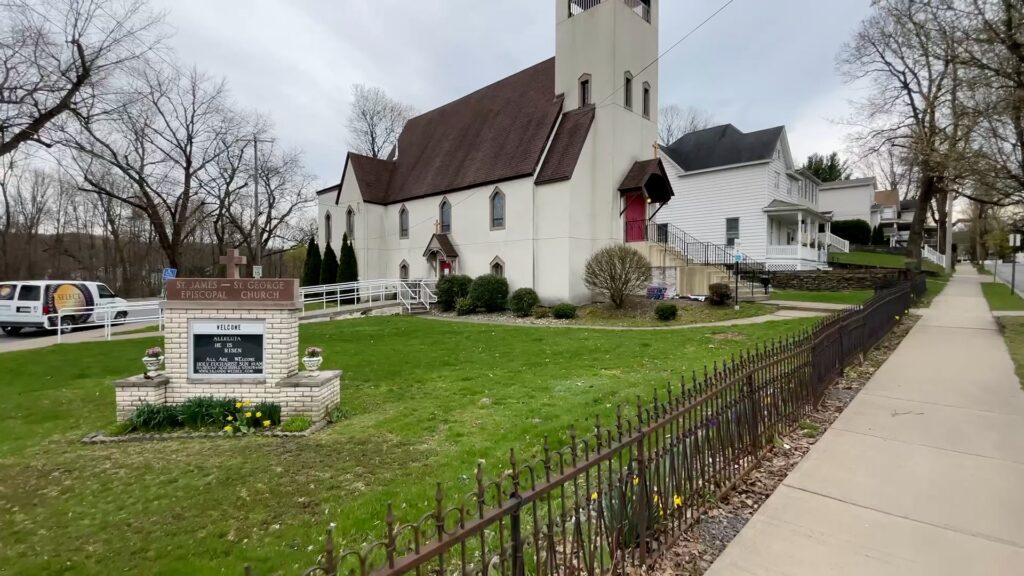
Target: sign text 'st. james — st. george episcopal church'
<point>524,178</point>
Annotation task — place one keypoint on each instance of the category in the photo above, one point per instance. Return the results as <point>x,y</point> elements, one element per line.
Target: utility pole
<point>257,228</point>
<point>257,257</point>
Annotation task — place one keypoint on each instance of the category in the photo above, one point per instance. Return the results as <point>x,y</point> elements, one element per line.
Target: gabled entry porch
<point>441,256</point>
<point>793,239</point>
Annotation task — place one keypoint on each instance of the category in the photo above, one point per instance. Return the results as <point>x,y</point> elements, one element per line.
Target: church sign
<point>226,348</point>
<point>231,290</point>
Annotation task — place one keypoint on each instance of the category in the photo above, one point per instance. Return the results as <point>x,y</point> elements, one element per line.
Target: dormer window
<point>647,100</point>
<point>585,89</point>
<point>627,88</point>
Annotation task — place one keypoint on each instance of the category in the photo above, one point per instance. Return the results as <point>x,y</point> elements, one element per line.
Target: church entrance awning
<point>649,177</point>
<point>441,244</point>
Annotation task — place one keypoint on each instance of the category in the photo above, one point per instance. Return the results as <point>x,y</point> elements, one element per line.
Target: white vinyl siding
<point>704,200</point>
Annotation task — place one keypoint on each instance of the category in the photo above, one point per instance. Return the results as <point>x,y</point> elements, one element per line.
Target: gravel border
<point>102,438</point>
<point>700,545</point>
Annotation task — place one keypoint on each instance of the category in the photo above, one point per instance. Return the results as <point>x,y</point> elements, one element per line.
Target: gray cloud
<point>760,63</point>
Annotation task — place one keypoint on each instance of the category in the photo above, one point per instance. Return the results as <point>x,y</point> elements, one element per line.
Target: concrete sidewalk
<point>922,474</point>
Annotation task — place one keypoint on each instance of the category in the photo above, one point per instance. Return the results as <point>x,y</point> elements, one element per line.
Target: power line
<point>672,47</point>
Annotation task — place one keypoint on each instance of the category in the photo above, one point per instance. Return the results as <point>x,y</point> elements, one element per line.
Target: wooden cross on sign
<point>232,261</point>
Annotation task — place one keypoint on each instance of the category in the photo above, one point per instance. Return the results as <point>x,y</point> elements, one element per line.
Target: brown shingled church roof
<point>495,134</point>
<point>566,146</point>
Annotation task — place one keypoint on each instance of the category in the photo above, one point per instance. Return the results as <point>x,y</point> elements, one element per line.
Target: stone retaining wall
<point>835,280</point>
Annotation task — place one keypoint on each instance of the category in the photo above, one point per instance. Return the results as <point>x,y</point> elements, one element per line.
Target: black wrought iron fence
<point>618,495</point>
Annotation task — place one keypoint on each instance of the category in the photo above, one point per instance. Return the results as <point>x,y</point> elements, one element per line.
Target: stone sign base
<point>302,394</point>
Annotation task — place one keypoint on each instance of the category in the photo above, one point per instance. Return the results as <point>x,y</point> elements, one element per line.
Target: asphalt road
<point>30,338</point>
<point>1005,273</point>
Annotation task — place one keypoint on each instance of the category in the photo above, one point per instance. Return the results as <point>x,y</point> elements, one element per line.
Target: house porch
<point>793,239</point>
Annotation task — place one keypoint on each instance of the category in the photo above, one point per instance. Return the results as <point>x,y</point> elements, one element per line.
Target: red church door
<point>636,217</point>
<point>446,268</point>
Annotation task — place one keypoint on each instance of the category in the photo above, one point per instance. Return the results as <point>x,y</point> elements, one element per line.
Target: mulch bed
<point>700,545</point>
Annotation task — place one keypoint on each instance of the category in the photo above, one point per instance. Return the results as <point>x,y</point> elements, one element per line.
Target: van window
<point>104,291</point>
<point>7,291</point>
<point>29,293</point>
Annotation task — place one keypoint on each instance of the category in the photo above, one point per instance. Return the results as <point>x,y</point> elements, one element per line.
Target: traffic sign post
<point>169,274</point>
<point>1014,244</point>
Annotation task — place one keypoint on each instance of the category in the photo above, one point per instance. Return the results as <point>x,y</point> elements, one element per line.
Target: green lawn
<point>427,400</point>
<point>879,259</point>
<point>1013,333</point>
<point>1000,298</point>
<point>845,297</point>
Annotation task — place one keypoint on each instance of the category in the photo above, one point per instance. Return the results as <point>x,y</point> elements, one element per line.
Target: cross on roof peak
<point>231,260</point>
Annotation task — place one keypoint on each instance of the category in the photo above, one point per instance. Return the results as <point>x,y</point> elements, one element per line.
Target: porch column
<point>828,236</point>
<point>799,233</point>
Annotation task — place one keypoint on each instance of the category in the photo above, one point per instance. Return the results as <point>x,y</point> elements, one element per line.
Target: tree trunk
<point>926,192</point>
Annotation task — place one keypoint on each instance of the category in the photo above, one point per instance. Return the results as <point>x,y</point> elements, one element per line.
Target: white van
<point>34,304</point>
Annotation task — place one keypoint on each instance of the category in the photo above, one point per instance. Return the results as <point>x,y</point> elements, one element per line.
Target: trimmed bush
<point>564,311</point>
<point>666,312</point>
<point>450,289</point>
<point>465,306</point>
<point>523,301</point>
<point>719,293</point>
<point>855,231</point>
<point>329,266</point>
<point>541,312</point>
<point>878,236</point>
<point>311,266</point>
<point>617,271</point>
<point>489,292</point>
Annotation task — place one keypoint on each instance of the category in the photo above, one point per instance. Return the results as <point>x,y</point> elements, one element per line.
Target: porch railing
<point>838,243</point>
<point>934,255</point>
<point>641,8</point>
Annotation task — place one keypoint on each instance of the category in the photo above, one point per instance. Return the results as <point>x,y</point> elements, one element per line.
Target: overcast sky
<point>759,63</point>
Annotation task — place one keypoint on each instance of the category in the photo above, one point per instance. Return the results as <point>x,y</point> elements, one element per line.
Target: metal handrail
<point>55,320</point>
<point>698,251</point>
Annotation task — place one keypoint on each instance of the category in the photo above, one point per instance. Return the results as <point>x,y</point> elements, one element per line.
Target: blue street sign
<point>738,256</point>
<point>170,273</point>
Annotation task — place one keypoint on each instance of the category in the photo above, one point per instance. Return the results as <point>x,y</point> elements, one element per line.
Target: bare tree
<point>164,143</point>
<point>908,66</point>
<point>675,122</point>
<point>375,121</point>
<point>57,55</point>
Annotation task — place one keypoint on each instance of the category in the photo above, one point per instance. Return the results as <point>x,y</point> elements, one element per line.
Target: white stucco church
<point>526,177</point>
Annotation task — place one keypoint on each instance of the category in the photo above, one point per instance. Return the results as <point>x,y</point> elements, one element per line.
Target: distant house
<point>525,178</point>
<point>896,216</point>
<point>849,200</point>
<point>735,188</point>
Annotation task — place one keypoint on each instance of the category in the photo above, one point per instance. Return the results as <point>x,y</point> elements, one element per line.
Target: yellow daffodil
<point>897,316</point>
<point>636,480</point>
<point>266,423</point>
<point>230,418</point>
<point>227,428</point>
<point>258,414</point>
<point>593,497</point>
<point>248,414</point>
<point>238,404</point>
<point>247,403</point>
<point>655,498</point>
<point>678,501</point>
